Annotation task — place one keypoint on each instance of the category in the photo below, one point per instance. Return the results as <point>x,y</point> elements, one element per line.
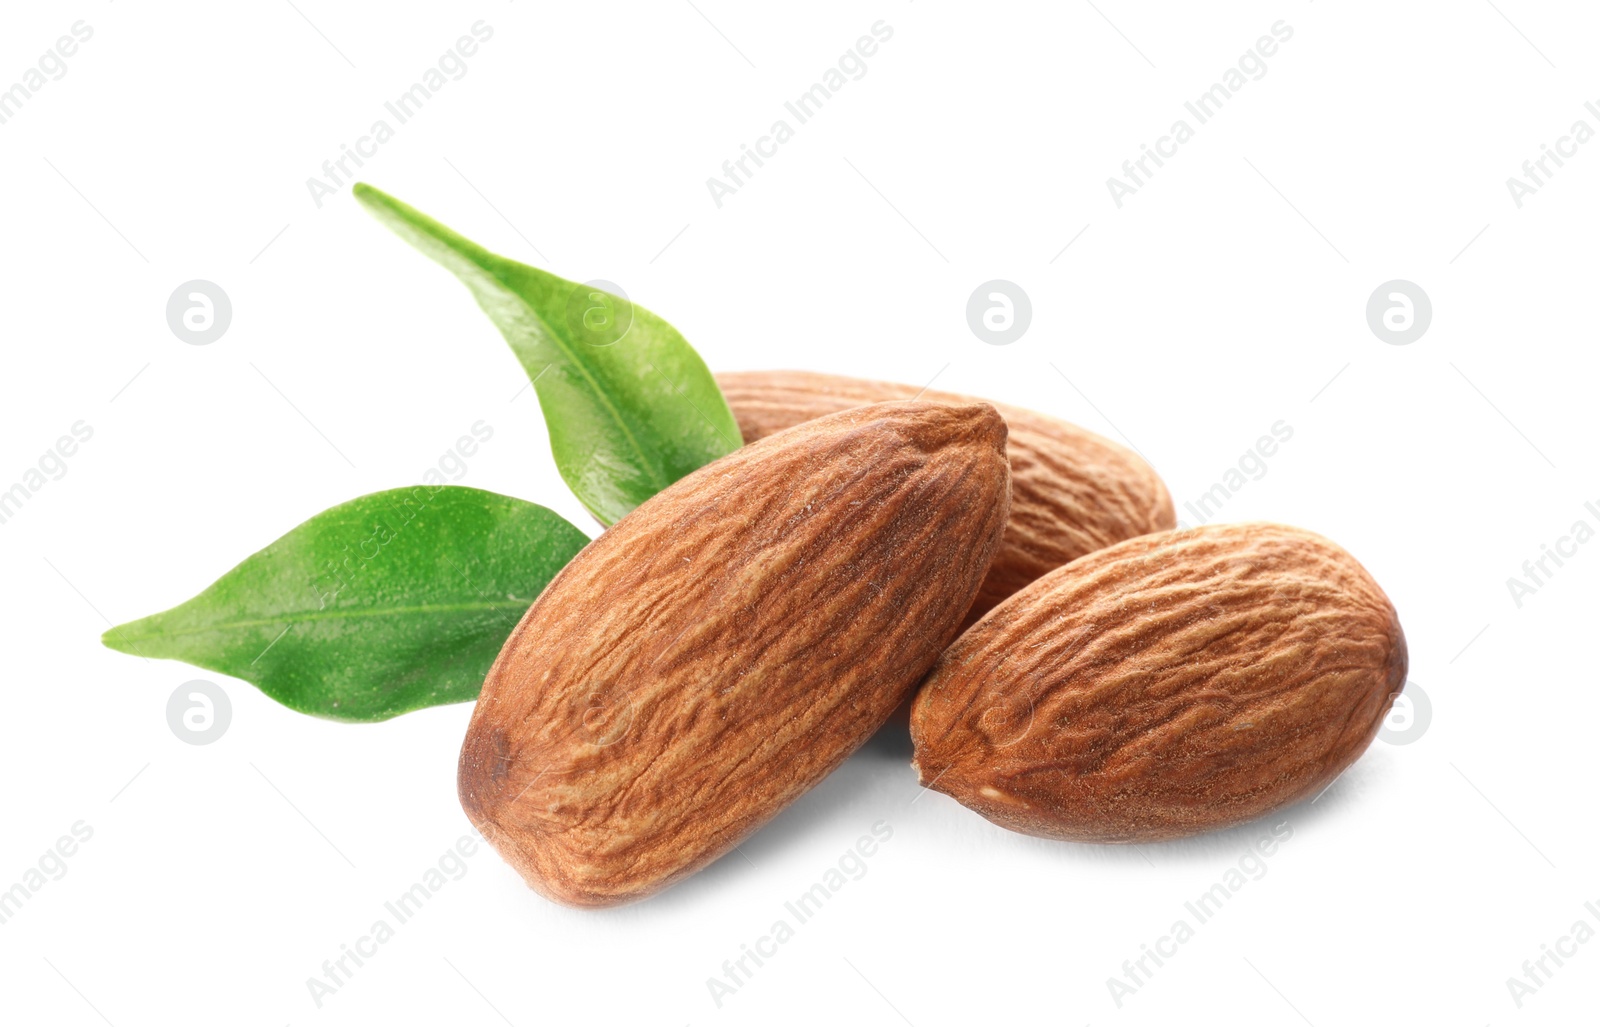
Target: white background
<point>1227,294</point>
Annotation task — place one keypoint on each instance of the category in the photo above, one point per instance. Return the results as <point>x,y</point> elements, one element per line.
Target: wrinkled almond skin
<point>722,648</point>
<point>1171,684</point>
<point>1072,492</point>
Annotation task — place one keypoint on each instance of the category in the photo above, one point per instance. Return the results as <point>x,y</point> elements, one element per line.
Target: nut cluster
<point>1080,669</point>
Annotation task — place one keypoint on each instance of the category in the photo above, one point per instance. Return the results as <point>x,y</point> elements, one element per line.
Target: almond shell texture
<point>1172,684</point>
<point>718,651</point>
<point>1072,491</point>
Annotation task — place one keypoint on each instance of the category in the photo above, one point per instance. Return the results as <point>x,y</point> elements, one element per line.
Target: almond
<point>1072,492</point>
<point>1168,685</point>
<point>722,648</point>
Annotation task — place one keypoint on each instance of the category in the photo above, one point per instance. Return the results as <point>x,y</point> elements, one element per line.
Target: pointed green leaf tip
<point>391,602</point>
<point>629,404</point>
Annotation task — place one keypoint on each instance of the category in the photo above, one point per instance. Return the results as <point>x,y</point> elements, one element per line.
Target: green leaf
<point>388,603</point>
<point>630,406</point>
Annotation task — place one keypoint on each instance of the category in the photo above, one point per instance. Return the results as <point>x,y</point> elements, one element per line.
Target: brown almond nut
<point>1168,685</point>
<point>1072,492</point>
<point>721,649</point>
